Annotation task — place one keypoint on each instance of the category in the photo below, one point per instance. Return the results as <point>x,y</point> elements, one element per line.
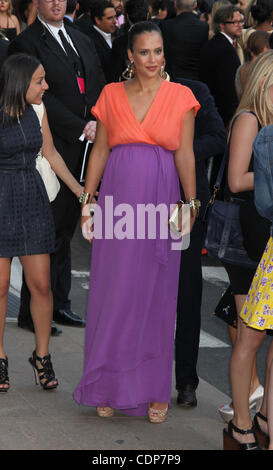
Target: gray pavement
<point>34,419</point>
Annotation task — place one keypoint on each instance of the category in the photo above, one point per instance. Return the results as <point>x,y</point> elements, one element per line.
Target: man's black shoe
<point>68,318</point>
<point>187,396</point>
<point>28,325</point>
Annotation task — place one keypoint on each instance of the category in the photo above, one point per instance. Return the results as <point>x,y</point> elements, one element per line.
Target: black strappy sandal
<point>230,443</point>
<point>45,374</point>
<point>4,378</point>
<point>262,437</point>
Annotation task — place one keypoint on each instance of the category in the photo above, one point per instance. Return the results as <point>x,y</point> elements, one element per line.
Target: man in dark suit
<point>135,11</point>
<point>209,140</point>
<point>183,38</point>
<point>3,50</point>
<point>72,6</point>
<point>101,30</point>
<point>75,79</point>
<point>219,60</point>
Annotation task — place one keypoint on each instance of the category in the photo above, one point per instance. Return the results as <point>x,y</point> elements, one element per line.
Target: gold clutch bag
<point>179,221</point>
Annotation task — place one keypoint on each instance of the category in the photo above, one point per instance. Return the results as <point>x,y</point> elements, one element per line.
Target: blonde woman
<point>9,23</point>
<point>255,111</point>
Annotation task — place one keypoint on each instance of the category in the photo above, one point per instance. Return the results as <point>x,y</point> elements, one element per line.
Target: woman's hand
<point>87,222</point>
<point>87,228</point>
<point>90,130</point>
<point>78,190</point>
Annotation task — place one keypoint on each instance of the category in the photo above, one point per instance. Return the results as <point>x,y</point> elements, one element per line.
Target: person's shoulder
<point>247,116</point>
<point>112,88</point>
<point>246,120</point>
<point>220,40</point>
<point>178,88</point>
<point>217,44</point>
<point>33,30</point>
<point>196,86</point>
<point>120,40</point>
<point>14,19</point>
<point>28,40</point>
<point>169,23</point>
<point>76,32</point>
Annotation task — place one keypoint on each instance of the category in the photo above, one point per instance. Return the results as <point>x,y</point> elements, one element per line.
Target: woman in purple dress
<point>144,144</point>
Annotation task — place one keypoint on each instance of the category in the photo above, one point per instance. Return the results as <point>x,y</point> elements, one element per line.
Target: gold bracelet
<point>194,204</point>
<point>84,198</point>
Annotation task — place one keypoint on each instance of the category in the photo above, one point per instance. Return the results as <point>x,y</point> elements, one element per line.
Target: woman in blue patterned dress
<point>26,223</point>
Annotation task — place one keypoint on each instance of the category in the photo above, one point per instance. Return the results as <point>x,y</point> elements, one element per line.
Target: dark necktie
<point>75,62</point>
<point>71,54</point>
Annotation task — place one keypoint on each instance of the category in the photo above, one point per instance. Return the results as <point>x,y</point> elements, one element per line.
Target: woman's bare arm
<point>97,160</point>
<point>243,135</point>
<point>185,160</point>
<point>56,161</point>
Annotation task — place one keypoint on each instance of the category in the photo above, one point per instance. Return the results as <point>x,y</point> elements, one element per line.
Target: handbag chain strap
<point>220,175</point>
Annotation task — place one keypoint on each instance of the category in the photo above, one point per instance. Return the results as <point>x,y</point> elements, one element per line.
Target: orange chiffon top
<point>162,124</point>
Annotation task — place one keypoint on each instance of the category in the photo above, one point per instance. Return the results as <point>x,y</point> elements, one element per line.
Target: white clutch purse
<point>48,176</point>
<point>179,221</point>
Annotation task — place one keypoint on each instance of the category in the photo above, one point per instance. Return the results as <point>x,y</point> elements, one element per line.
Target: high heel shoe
<point>4,378</point>
<point>263,437</point>
<point>230,443</point>
<point>105,411</point>
<point>227,412</point>
<point>157,416</point>
<point>45,374</point>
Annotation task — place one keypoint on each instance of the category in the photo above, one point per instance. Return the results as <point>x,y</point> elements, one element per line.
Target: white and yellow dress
<point>257,311</point>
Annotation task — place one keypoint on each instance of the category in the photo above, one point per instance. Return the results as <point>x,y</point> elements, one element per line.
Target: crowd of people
<point>160,89</point>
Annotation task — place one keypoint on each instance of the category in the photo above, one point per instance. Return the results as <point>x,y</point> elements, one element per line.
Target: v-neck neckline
<point>149,109</point>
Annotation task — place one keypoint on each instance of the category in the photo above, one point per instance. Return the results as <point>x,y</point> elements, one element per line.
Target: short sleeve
<point>190,102</point>
<point>100,108</point>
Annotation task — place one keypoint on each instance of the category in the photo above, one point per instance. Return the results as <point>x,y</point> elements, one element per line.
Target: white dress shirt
<point>106,36</point>
<point>54,31</point>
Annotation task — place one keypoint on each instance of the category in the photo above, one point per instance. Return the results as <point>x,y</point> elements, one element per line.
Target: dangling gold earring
<point>129,71</point>
<point>163,74</point>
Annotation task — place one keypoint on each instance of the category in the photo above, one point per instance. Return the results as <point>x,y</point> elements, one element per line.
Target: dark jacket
<point>68,22</point>
<point>86,25</point>
<point>219,62</point>
<point>183,38</point>
<point>119,57</point>
<point>3,50</point>
<point>209,136</point>
<point>103,51</point>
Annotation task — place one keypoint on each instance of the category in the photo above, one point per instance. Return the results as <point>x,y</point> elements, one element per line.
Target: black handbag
<point>226,308</point>
<point>224,238</point>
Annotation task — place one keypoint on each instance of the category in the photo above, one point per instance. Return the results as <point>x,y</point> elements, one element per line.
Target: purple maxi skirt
<point>129,343</point>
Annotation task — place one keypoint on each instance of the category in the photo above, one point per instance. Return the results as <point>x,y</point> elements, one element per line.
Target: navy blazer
<point>210,136</point>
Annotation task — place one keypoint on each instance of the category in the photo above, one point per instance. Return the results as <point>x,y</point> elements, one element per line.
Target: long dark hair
<point>15,78</point>
<point>140,28</point>
<point>262,10</point>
